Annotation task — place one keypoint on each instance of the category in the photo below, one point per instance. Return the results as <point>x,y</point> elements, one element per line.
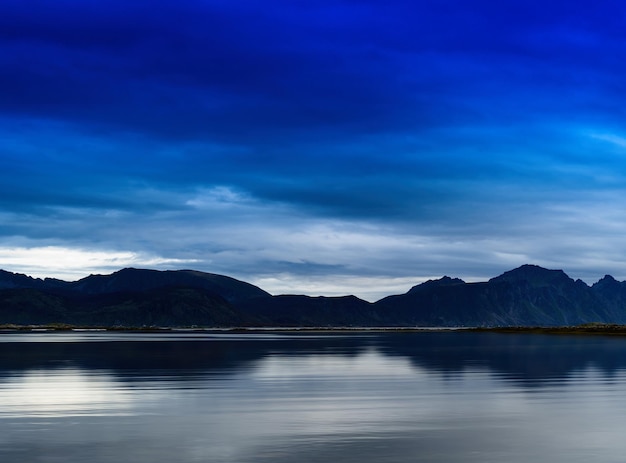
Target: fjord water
<point>311,397</point>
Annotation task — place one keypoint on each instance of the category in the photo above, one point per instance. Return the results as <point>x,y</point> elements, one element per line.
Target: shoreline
<point>588,329</point>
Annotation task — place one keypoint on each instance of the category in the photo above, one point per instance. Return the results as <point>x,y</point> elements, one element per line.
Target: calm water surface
<point>282,397</point>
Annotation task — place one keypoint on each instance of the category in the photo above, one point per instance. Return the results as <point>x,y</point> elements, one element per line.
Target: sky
<point>313,147</point>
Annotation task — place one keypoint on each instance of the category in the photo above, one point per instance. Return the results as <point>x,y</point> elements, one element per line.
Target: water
<point>304,397</point>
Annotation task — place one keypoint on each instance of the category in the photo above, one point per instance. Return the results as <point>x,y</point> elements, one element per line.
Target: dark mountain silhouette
<point>10,280</point>
<point>612,294</point>
<point>129,297</point>
<point>132,279</point>
<point>526,296</point>
<point>167,306</point>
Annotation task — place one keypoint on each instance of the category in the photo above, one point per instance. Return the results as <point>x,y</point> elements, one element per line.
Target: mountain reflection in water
<point>306,397</point>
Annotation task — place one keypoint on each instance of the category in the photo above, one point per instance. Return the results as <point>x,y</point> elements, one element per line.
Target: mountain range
<point>526,296</point>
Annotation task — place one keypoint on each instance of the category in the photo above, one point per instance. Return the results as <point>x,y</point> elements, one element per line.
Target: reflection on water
<point>64,392</point>
<point>393,397</point>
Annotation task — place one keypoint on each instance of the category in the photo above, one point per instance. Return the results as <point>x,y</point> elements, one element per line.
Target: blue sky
<point>322,147</point>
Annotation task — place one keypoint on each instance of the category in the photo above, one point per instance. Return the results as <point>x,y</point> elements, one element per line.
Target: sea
<point>307,396</point>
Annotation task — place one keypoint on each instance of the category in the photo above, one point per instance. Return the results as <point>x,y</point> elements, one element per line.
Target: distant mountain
<point>132,279</point>
<point>168,306</point>
<point>129,297</point>
<point>10,280</point>
<point>612,294</point>
<point>528,295</point>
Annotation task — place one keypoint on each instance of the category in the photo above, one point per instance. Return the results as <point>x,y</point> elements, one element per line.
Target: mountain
<point>526,296</point>
<point>132,279</point>
<point>169,306</point>
<point>129,297</point>
<point>612,294</point>
<point>10,280</point>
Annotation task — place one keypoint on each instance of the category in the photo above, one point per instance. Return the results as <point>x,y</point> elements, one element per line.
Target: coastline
<point>586,329</point>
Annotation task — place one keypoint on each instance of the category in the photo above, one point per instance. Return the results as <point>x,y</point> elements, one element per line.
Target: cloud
<point>75,263</point>
<point>285,250</point>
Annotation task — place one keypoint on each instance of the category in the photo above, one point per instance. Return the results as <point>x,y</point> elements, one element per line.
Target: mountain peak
<point>18,280</point>
<point>534,275</point>
<point>607,282</point>
<point>443,281</point>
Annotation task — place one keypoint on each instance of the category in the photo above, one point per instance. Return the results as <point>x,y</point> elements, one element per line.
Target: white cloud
<point>71,263</point>
<point>219,197</point>
<point>283,250</point>
<point>369,288</point>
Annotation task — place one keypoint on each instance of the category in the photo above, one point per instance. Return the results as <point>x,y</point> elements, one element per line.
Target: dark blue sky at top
<point>321,145</point>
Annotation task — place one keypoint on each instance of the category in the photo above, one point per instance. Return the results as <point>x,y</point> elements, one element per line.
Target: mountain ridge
<point>527,295</point>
